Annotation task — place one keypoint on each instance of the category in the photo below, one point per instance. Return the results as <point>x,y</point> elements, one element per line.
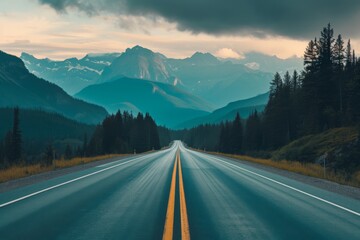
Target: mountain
<point>268,63</point>
<point>139,63</point>
<point>216,81</point>
<point>167,104</point>
<point>199,59</point>
<point>18,87</point>
<point>224,82</point>
<point>71,74</point>
<point>243,107</point>
<point>202,74</point>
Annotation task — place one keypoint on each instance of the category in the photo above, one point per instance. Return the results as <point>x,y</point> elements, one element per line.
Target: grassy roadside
<point>308,169</point>
<point>20,171</point>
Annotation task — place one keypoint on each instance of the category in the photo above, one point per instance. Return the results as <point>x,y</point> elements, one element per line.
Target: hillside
<point>18,87</point>
<point>219,82</point>
<point>167,104</point>
<point>243,107</point>
<point>41,128</point>
<point>339,146</point>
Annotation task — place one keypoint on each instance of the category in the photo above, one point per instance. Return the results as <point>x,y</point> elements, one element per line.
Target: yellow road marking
<point>185,231</point>
<point>169,221</point>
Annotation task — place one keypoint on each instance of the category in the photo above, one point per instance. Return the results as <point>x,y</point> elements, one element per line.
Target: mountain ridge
<point>21,88</point>
<point>166,103</point>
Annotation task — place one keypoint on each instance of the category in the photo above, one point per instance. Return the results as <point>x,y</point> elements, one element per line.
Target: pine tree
<point>295,83</point>
<point>14,149</point>
<point>236,135</point>
<point>311,57</point>
<point>339,58</point>
<point>275,85</point>
<point>68,152</point>
<point>85,145</point>
<point>2,155</point>
<point>349,58</point>
<point>326,42</point>
<point>339,54</point>
<point>253,133</point>
<point>49,155</point>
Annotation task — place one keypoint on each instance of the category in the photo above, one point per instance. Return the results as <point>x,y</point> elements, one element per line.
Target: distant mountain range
<point>167,104</point>
<point>267,63</point>
<point>71,74</point>
<point>243,107</point>
<point>177,92</point>
<point>202,74</point>
<point>218,81</point>
<point>18,87</point>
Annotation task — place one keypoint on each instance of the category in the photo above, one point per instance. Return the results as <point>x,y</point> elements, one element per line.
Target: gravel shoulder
<point>345,190</point>
<point>25,181</point>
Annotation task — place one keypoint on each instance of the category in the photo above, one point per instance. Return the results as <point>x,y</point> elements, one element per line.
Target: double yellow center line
<point>169,222</point>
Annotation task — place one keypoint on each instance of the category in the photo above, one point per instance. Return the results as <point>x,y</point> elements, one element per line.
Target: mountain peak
<point>9,62</point>
<point>203,59</point>
<point>26,55</point>
<point>139,49</point>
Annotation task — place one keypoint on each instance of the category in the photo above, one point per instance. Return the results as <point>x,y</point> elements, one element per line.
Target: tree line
<point>124,133</point>
<point>325,95</point>
<point>118,133</point>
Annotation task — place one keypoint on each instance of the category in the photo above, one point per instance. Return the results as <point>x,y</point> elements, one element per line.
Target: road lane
<point>124,202</point>
<point>226,201</point>
<point>208,197</point>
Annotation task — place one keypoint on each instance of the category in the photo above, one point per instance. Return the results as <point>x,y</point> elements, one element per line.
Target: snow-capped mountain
<point>217,81</point>
<point>71,74</point>
<point>18,87</point>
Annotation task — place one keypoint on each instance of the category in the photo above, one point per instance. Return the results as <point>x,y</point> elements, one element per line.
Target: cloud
<point>261,18</point>
<point>228,53</point>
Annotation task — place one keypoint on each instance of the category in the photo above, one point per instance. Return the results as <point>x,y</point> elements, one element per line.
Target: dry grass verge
<point>308,169</point>
<point>20,171</point>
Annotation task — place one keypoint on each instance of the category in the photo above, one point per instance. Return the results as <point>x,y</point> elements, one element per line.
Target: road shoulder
<point>334,187</point>
<point>36,178</point>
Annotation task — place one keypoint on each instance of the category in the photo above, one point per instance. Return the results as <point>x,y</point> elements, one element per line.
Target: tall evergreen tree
<point>349,58</point>
<point>236,135</point>
<point>311,56</point>
<point>14,140</point>
<point>339,54</point>
<point>253,133</point>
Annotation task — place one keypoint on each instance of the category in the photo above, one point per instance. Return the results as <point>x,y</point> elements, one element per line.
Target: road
<point>176,193</point>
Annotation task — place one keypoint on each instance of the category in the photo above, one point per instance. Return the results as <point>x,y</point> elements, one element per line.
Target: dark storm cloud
<point>293,18</point>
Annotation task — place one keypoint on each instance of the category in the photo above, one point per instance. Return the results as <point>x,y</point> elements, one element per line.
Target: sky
<point>60,29</point>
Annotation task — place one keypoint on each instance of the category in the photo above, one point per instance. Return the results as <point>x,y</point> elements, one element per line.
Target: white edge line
<point>64,183</point>
<point>290,187</point>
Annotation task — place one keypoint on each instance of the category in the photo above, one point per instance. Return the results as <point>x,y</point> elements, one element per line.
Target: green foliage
<point>308,115</point>
<point>123,133</point>
<point>341,145</point>
<point>49,155</point>
<point>34,130</point>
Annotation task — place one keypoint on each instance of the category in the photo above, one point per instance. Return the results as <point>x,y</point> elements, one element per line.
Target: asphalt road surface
<point>176,193</point>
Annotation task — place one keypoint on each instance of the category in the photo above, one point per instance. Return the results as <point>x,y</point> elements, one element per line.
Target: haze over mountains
<point>176,92</point>
<point>18,87</point>
<point>71,74</point>
<point>169,105</point>
<point>243,107</point>
<point>202,74</point>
